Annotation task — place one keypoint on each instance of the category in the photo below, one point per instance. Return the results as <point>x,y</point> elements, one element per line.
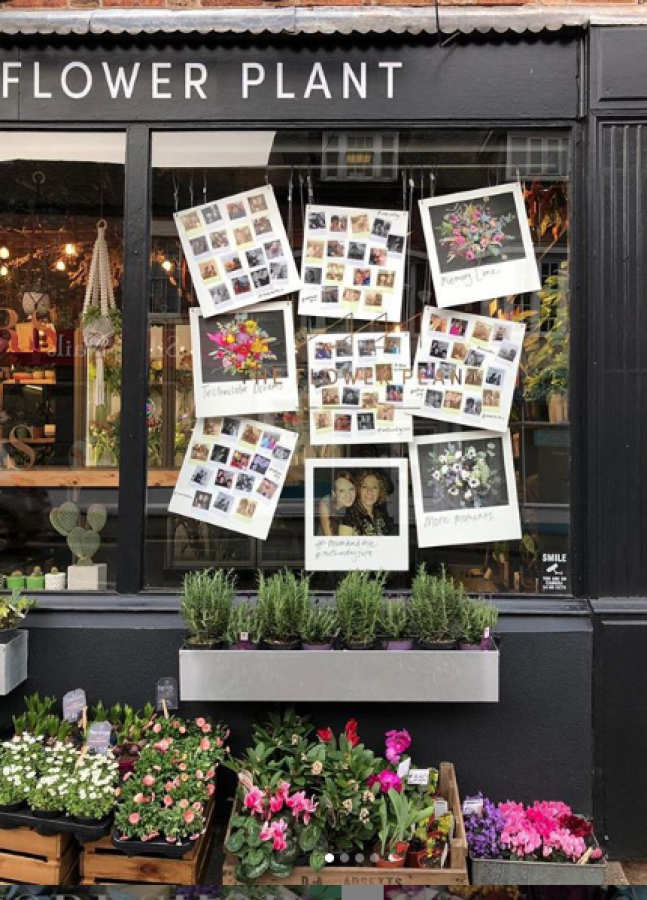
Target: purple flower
<point>484,831</point>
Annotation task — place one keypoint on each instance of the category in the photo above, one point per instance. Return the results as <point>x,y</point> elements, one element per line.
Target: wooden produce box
<point>27,857</point>
<point>101,863</point>
<point>454,873</point>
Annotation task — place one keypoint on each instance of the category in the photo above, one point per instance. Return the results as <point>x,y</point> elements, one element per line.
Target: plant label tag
<point>244,636</point>
<point>403,768</point>
<point>441,807</point>
<point>74,703</point>
<point>420,776</point>
<point>166,690</point>
<point>99,737</point>
<point>472,805</point>
<point>445,854</point>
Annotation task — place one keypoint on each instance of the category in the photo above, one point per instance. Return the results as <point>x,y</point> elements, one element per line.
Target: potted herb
<point>15,581</point>
<point>205,606</point>
<point>283,603</point>
<point>35,581</point>
<point>478,620</point>
<point>319,628</point>
<point>358,601</point>
<point>394,624</point>
<point>435,609</point>
<point>398,818</point>
<point>14,610</point>
<point>244,631</point>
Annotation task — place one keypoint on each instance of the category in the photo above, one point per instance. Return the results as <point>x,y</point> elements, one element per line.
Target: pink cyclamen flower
<point>388,781</point>
<point>309,807</point>
<point>283,790</point>
<point>397,742</point>
<point>276,804</point>
<point>134,818</point>
<point>275,833</point>
<point>148,780</point>
<point>254,801</point>
<point>296,803</point>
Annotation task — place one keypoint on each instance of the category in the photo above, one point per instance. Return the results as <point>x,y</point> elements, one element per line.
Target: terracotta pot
<point>395,860</point>
<point>415,859</point>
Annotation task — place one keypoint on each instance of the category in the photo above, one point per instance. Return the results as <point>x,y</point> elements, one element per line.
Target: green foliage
<point>320,625</point>
<point>206,604</point>
<point>398,818</point>
<point>394,619</point>
<point>14,610</point>
<point>283,604</point>
<point>476,617</point>
<point>435,606</point>
<point>82,537</point>
<point>244,619</point>
<point>547,346</point>
<point>358,601</point>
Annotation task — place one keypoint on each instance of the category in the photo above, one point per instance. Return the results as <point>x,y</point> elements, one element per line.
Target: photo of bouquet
<point>241,346</point>
<point>465,476</point>
<point>472,231</point>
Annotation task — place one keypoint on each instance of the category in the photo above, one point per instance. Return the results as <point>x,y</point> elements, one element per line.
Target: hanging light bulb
<point>4,253</point>
<point>167,265</point>
<point>70,249</point>
<point>4,271</point>
<point>60,266</point>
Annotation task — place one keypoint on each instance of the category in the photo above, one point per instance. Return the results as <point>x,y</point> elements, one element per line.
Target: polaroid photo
<point>244,362</point>
<point>227,246</point>
<point>464,488</point>
<point>356,515</point>
<point>242,491</point>
<point>479,245</point>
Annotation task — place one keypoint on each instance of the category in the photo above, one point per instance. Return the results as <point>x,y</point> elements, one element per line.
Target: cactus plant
<point>82,538</point>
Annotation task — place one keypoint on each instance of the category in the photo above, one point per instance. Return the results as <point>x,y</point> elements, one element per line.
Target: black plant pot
<point>437,645</point>
<point>210,645</point>
<point>47,813</point>
<point>358,645</point>
<point>281,645</point>
<point>13,807</point>
<point>89,820</point>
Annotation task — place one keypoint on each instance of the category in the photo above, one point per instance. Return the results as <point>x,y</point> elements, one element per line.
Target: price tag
<point>403,768</point>
<point>74,703</point>
<point>472,805</point>
<point>418,776</point>
<point>441,806</point>
<point>443,858</point>
<point>166,690</point>
<point>99,737</point>
<point>244,636</point>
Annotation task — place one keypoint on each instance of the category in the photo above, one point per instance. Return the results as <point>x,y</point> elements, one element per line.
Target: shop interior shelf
<point>374,676</point>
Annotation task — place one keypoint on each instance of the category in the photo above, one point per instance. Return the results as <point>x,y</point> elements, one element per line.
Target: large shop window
<point>377,170</point>
<point>59,398</point>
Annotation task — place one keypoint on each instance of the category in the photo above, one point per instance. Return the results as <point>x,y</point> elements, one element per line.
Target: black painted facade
<point>571,720</point>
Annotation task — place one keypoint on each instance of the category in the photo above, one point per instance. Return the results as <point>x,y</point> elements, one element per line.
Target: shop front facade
<point>127,128</point>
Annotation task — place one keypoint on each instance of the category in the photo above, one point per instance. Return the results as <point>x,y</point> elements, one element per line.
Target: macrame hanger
<point>409,207</point>
<point>98,333</point>
<point>311,193</point>
<point>204,186</point>
<point>290,207</point>
<point>191,191</point>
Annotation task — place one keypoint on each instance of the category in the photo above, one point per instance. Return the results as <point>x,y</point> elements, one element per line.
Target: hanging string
<point>98,333</point>
<point>204,186</point>
<point>191,191</point>
<point>311,193</point>
<point>291,208</point>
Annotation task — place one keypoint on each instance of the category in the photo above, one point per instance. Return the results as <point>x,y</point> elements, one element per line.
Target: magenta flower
<point>254,801</point>
<point>387,781</point>
<point>275,833</point>
<point>397,742</point>
<point>276,804</point>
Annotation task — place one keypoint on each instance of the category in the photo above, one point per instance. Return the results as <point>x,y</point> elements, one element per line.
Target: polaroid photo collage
<point>237,251</point>
<point>466,368</point>
<point>353,262</point>
<point>233,474</point>
<point>357,387</point>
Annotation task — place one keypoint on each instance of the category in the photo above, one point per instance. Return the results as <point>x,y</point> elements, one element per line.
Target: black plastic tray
<point>152,848</point>
<point>84,834</point>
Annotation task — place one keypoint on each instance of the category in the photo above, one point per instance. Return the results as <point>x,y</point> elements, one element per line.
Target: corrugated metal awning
<point>317,20</point>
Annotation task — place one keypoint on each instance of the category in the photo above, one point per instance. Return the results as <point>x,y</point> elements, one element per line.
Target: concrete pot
<point>508,871</point>
<point>87,578</point>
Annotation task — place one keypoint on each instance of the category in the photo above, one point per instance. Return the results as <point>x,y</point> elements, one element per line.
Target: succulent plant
<point>82,538</point>
<point>37,572</point>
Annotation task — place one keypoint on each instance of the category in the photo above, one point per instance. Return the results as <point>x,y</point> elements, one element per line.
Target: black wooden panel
<point>618,65</point>
<point>469,79</point>
<point>617,385</point>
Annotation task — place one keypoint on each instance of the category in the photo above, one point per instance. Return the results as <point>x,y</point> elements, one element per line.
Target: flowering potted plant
<point>91,794</point>
<point>395,624</point>
<point>545,843</point>
<point>320,627</point>
<point>283,603</point>
<point>398,817</point>
<point>358,601</point>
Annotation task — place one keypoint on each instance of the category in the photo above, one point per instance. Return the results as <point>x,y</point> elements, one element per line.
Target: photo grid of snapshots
<point>237,251</point>
<point>479,245</point>
<point>357,383</point>
<point>353,261</point>
<point>357,515</point>
<point>465,368</point>
<point>464,488</point>
<point>244,361</point>
<point>233,474</point>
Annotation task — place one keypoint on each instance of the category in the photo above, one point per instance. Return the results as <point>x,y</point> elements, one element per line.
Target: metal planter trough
<point>508,871</point>
<point>362,676</point>
<point>13,660</point>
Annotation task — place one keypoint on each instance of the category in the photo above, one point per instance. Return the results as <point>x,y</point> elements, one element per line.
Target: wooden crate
<point>455,873</point>
<point>101,863</point>
<point>29,858</point>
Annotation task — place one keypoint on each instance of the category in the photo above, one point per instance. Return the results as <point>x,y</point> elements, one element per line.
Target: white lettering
<point>389,66</point>
<point>119,83</point>
<point>249,82</point>
<point>76,95</point>
<point>359,84</point>
<point>7,79</point>
<point>280,93</point>
<point>38,94</point>
<point>159,81</point>
<point>317,82</point>
<point>194,82</point>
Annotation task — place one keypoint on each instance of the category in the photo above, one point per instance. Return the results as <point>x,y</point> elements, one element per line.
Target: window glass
<point>59,399</point>
<point>387,170</point>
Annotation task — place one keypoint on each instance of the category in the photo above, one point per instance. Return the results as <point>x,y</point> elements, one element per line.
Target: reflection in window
<point>58,443</point>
